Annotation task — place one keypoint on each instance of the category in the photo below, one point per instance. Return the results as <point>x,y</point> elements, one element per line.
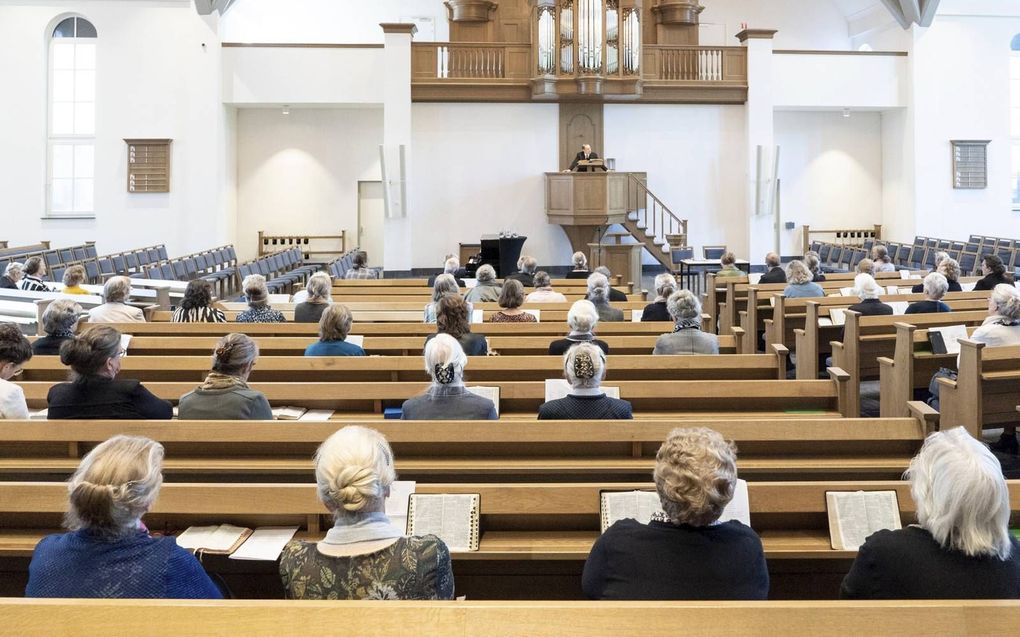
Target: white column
<point>396,133</point>
<point>760,131</point>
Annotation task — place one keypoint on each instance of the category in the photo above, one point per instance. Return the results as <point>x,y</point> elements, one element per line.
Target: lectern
<point>584,204</point>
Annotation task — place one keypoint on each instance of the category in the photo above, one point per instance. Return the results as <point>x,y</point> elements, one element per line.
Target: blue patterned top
<point>83,564</point>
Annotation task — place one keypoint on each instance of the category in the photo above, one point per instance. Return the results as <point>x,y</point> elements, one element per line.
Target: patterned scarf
<point>216,381</point>
<point>687,324</point>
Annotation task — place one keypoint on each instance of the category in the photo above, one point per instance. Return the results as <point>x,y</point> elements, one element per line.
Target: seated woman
<point>880,255</point>
<point>544,292</point>
<point>866,266</point>
<point>257,294</point>
<point>665,285</point>
<point>15,351</point>
<point>584,367</point>
<point>444,284</point>
<point>935,287</point>
<point>814,263</point>
<point>116,310</point>
<point>196,306</point>
<point>59,321</point>
<point>582,319</point>
<point>452,318</point>
<point>1000,329</point>
<point>687,337</point>
<point>74,276</point>
<point>961,547</point>
<point>949,268</point>
<point>510,301</point>
<point>334,327</point>
<point>94,391</point>
<point>447,398</point>
<point>225,394</point>
<point>109,552</point>
<point>319,289</point>
<point>685,552</point>
<point>363,556</point>
<point>580,263</point>
<point>12,275</point>
<point>800,282</point>
<point>729,266</point>
<point>994,272</point>
<point>486,289</point>
<point>598,294</point>
<point>360,269</point>
<point>869,291</point>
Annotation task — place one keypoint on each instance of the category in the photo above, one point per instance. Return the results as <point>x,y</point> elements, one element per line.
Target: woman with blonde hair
<point>687,551</point>
<point>363,556</point>
<point>961,547</point>
<point>800,282</point>
<point>109,552</point>
<point>74,276</point>
<point>447,398</point>
<point>225,395</point>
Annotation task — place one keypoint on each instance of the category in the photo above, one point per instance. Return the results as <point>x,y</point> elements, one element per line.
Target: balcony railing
<point>695,63</point>
<point>433,61</point>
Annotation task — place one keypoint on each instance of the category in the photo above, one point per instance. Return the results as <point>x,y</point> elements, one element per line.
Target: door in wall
<point>371,220</point>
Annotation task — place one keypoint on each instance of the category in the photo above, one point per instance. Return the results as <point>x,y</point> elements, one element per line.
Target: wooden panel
<point>580,124</point>
<point>590,195</point>
<point>148,165</point>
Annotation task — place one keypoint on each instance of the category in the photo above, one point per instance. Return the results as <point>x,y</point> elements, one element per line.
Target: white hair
<point>665,284</point>
<point>443,350</point>
<point>935,286</point>
<point>582,317</point>
<point>529,265</point>
<point>797,273</point>
<point>14,269</point>
<point>1007,300</point>
<point>682,304</point>
<point>598,359</point>
<point>444,284</point>
<point>486,273</point>
<point>961,497</point>
<point>865,287</point>
<point>598,287</point>
<point>117,289</point>
<point>580,261</point>
<point>255,290</point>
<point>353,471</point>
<point>603,270</point>
<point>60,315</point>
<point>452,265</point>
<point>320,286</point>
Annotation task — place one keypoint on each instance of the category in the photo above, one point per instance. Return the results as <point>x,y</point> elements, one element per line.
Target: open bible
<point>645,506</point>
<point>854,515</point>
<point>453,517</point>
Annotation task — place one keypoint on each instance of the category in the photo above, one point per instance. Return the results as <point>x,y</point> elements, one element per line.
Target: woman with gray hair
<point>334,328</point>
<point>108,551</point>
<point>116,310</point>
<point>961,547</point>
<point>814,263</point>
<point>447,398</point>
<point>687,337</point>
<point>800,282</point>
<point>665,286</point>
<point>319,288</point>
<point>598,294</point>
<point>584,367</point>
<point>59,321</point>
<point>486,289</point>
<point>363,556</point>
<point>935,287</point>
<point>12,275</point>
<point>444,284</point>
<point>686,551</point>
<point>225,395</point>
<point>257,295</point>
<point>544,292</point>
<point>880,255</point>
<point>580,263</point>
<point>582,319</point>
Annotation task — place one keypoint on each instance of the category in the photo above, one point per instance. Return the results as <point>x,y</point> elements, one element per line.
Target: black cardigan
<point>103,398</point>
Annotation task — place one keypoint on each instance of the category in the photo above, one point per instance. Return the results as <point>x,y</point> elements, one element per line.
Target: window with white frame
<point>1014,119</point>
<point>72,118</point>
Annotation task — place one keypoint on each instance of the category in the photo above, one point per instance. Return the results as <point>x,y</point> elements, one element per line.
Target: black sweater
<point>665,561</point>
<point>599,407</point>
<point>103,398</point>
<point>910,564</point>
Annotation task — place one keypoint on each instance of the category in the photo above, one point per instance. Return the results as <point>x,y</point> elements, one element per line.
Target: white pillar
<point>760,131</point>
<point>396,133</point>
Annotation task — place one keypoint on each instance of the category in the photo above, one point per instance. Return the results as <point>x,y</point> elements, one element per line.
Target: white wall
<point>831,172</point>
<point>264,76</point>
<point>299,172</point>
<point>154,79</point>
<point>840,81</point>
<point>478,169</point>
<point>898,176</point>
<point>694,157</point>
<point>801,24</point>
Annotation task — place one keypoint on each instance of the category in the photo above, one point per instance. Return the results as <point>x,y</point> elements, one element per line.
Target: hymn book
<point>645,506</point>
<point>453,517</point>
<point>854,515</point>
<point>218,540</point>
<point>946,340</point>
<point>492,393</point>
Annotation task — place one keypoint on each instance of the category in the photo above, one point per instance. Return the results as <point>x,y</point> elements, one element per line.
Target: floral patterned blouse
<point>502,317</point>
<point>416,567</point>
<point>260,314</point>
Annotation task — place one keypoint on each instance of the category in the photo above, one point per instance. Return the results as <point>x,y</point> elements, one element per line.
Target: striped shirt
<point>33,284</point>
<point>198,315</point>
<point>361,273</point>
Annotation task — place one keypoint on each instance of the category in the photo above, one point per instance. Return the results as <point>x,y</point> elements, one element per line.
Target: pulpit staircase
<point>653,224</point>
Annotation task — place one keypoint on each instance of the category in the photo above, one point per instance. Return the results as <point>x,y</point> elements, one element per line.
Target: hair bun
<point>584,366</point>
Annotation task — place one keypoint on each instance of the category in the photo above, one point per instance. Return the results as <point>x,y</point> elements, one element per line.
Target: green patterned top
<point>416,567</point>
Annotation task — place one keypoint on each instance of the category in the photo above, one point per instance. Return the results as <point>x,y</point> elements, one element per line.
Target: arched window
<point>1014,117</point>
<point>72,118</point>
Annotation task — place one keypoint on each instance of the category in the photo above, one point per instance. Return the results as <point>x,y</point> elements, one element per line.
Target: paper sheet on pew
<point>899,308</point>
<point>492,393</point>
<point>279,298</point>
<point>556,388</point>
<point>470,283</point>
<point>476,316</point>
<point>969,287</point>
<point>266,543</point>
<point>39,414</point>
<point>644,506</point>
<point>951,335</point>
<point>125,341</point>
<point>316,415</point>
<point>396,504</point>
<point>754,278</point>
<point>536,313</point>
<point>635,316</point>
<point>906,274</point>
<point>356,339</point>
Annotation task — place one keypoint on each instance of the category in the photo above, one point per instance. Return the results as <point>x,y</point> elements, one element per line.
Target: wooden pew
<point>269,618</point>
<point>409,368</point>
<point>439,451</point>
<point>650,398</point>
<point>986,391</point>
<point>868,338</point>
<point>402,285</point>
<point>526,528</point>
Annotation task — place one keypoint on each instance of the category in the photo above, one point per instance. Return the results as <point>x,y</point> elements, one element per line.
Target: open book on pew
<point>217,540</point>
<point>645,506</point>
<point>356,339</point>
<point>854,515</point>
<point>837,316</point>
<point>398,502</point>
<point>492,393</point>
<point>125,341</point>
<point>556,388</point>
<point>300,413</point>
<point>946,340</point>
<point>453,517</point>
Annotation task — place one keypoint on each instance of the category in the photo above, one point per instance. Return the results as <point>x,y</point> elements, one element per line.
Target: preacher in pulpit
<point>586,154</point>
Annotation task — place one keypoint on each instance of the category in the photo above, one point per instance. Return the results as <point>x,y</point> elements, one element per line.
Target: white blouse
<point>12,402</point>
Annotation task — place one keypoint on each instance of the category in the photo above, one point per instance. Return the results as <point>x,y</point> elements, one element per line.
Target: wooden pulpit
<point>585,204</point>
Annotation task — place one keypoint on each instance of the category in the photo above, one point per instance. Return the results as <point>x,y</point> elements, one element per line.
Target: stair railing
<point>652,214</point>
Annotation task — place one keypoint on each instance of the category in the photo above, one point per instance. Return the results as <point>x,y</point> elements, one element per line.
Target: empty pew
<point>986,391</point>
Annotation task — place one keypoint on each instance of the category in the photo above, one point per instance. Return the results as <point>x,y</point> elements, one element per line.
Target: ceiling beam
<point>908,12</point>
<point>911,10</point>
<point>928,12</point>
<point>897,12</point>
<point>207,7</point>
